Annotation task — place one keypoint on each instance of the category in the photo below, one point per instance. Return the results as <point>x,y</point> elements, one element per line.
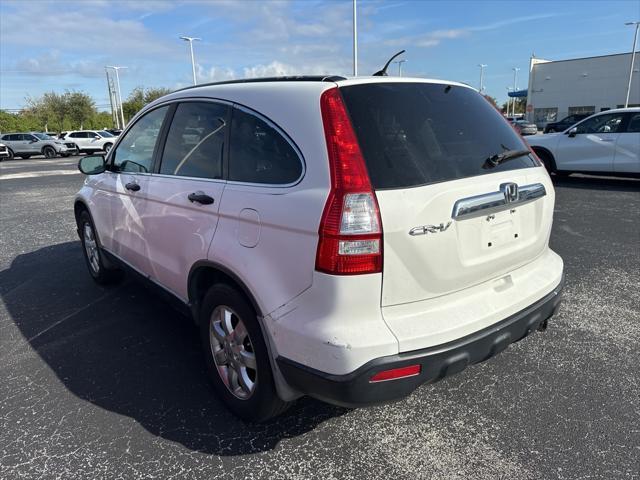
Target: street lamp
<point>400,62</point>
<point>482,67</point>
<point>119,91</point>
<point>633,56</point>
<point>114,114</point>
<point>193,62</point>
<point>508,100</point>
<point>355,40</point>
<point>515,88</point>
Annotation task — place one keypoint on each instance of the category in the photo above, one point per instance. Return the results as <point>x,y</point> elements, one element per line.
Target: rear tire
<point>236,355</point>
<point>93,256</point>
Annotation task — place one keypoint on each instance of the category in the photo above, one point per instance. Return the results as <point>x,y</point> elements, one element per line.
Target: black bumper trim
<point>355,390</point>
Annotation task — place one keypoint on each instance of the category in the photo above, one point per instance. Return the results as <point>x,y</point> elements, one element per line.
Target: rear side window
<point>634,123</point>
<point>414,134</point>
<point>195,143</point>
<point>258,153</point>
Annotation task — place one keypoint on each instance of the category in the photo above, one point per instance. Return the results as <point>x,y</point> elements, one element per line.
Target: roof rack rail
<point>291,78</point>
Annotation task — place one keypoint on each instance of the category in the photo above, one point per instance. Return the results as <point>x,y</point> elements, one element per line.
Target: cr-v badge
<point>424,229</point>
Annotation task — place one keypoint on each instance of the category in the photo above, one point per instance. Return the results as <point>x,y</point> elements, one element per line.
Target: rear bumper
<point>355,390</point>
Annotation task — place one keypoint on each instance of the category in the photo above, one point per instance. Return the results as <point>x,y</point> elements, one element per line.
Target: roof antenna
<point>383,72</point>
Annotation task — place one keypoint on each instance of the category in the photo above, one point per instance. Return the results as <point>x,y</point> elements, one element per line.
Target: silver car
<point>26,145</point>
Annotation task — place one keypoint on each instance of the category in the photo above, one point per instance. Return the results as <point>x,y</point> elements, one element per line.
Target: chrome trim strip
<point>487,203</point>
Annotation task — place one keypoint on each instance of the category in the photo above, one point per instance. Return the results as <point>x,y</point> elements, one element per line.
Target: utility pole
<point>355,40</point>
<point>119,92</point>
<point>508,100</point>
<point>193,61</point>
<point>114,117</point>
<point>482,67</point>
<point>633,56</point>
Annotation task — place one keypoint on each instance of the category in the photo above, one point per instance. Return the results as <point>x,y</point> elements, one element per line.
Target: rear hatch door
<point>451,217</point>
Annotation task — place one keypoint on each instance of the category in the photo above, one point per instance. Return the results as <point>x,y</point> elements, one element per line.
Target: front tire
<point>49,152</point>
<point>107,147</point>
<point>11,154</point>
<point>236,355</point>
<point>93,256</point>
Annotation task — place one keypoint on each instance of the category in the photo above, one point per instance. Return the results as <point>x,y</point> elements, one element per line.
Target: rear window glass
<point>413,134</point>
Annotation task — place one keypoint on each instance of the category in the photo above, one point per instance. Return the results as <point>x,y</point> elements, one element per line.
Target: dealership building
<point>580,85</point>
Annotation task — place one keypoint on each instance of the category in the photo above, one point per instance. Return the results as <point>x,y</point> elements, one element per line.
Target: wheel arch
<point>47,146</point>
<point>545,152</point>
<point>205,273</point>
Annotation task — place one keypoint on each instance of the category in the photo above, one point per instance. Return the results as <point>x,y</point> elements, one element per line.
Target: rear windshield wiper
<point>498,158</point>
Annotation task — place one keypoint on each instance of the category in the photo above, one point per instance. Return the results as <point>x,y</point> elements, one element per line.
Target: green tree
<point>80,108</point>
<point>491,100</point>
<point>521,105</point>
<point>139,97</point>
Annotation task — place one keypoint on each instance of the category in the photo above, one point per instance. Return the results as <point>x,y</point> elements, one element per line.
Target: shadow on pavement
<point>617,184</point>
<point>125,350</point>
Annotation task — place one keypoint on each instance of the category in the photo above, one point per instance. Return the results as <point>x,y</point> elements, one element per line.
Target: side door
<point>185,192</point>
<point>94,141</point>
<point>627,156</point>
<point>120,192</point>
<point>264,216</point>
<point>591,146</point>
<point>33,143</point>
<point>22,143</point>
<point>78,138</point>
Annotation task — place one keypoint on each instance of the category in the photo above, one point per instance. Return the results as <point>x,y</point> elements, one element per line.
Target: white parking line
<point>44,173</point>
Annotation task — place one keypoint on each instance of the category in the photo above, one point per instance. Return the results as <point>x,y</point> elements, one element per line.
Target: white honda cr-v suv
<point>347,239</point>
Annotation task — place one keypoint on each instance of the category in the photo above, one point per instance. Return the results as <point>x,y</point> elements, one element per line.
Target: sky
<point>64,45</point>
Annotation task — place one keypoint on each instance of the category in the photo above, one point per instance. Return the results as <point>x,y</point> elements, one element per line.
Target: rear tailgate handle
<point>509,196</point>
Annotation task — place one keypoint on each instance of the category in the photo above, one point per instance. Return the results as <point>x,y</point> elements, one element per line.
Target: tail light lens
<point>350,234</point>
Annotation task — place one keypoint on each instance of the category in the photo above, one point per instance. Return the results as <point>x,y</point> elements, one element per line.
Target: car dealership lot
<point>108,382</point>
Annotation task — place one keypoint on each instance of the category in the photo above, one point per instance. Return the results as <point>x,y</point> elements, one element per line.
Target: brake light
<point>396,373</point>
<point>350,234</point>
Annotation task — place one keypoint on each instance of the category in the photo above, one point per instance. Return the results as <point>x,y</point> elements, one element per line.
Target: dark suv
<point>566,122</point>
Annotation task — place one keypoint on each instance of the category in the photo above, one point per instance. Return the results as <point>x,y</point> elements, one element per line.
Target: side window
<point>74,135</point>
<point>195,142</point>
<point>258,153</point>
<point>135,150</point>
<point>634,123</point>
<point>601,124</point>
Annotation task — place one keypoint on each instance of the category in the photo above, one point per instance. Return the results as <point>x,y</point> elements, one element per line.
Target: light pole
<point>400,62</point>
<point>633,56</point>
<point>355,40</point>
<point>515,88</point>
<point>508,100</point>
<point>193,62</point>
<point>119,91</point>
<point>482,67</point>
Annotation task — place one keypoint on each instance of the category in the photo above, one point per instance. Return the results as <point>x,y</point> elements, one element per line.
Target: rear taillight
<point>350,234</point>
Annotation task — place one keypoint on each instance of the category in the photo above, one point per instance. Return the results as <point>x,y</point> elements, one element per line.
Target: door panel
<point>627,156</point>
<point>593,146</point>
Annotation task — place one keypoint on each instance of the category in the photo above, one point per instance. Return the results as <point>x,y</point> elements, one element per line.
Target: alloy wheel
<point>91,248</point>
<point>233,352</point>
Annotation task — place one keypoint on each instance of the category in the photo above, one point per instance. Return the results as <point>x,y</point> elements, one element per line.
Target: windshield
<point>414,134</point>
<point>102,133</point>
<point>43,136</point>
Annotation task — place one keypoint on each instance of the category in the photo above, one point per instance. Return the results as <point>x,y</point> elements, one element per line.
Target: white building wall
<point>597,82</point>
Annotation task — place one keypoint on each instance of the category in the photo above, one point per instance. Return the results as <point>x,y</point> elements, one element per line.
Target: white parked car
<point>607,142</point>
<point>91,141</point>
<point>4,152</point>
<point>348,239</point>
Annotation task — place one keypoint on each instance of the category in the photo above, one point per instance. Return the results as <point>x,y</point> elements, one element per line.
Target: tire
<point>107,147</point>
<point>93,256</point>
<point>49,152</point>
<point>546,160</point>
<point>237,358</point>
<point>11,154</point>
<point>551,130</point>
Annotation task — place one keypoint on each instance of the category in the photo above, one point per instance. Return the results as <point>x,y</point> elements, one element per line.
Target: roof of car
<point>616,110</point>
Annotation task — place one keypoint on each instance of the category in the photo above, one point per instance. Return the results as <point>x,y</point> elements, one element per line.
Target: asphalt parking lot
<point>108,382</point>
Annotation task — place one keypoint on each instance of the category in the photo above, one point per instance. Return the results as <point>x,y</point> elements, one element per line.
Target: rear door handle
<point>200,197</point>
<point>133,186</point>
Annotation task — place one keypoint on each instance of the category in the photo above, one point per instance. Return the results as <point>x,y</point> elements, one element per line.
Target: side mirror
<point>97,137</point>
<point>573,132</point>
<point>34,140</point>
<point>92,165</point>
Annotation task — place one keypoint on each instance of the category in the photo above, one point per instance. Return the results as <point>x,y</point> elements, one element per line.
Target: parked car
<point>607,142</point>
<point>26,145</point>
<point>565,123</point>
<point>348,239</point>
<point>4,152</point>
<point>91,141</point>
<point>524,127</point>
